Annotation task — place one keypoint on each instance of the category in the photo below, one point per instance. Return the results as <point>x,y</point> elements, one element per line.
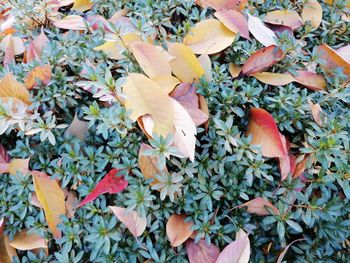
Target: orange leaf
<point>310,80</point>
<point>16,165</point>
<point>25,240</point>
<point>131,220</point>
<point>11,88</point>
<point>42,73</point>
<point>288,18</point>
<point>177,230</point>
<point>51,198</point>
<point>258,206</point>
<point>6,251</point>
<point>333,59</point>
<point>262,59</point>
<point>234,21</point>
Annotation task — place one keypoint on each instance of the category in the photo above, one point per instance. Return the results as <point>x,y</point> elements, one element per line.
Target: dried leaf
<point>71,22</point>
<point>78,128</point>
<point>225,4</point>
<point>234,21</point>
<point>258,206</point>
<point>344,52</point>
<point>36,47</point>
<point>236,252</point>
<point>316,110</point>
<point>262,59</point>
<point>274,79</point>
<point>312,11</point>
<point>185,66</point>
<point>131,220</point>
<point>333,59</point>
<point>289,18</point>
<point>205,62</point>
<point>262,33</point>
<point>201,252</point>
<point>310,80</point>
<point>4,157</point>
<point>43,73</point>
<point>82,5</point>
<point>71,202</point>
<point>235,70</point>
<point>11,88</point>
<point>18,165</point>
<point>111,184</point>
<point>6,251</point>
<point>209,36</point>
<point>151,59</point>
<point>177,230</point>
<point>144,96</point>
<point>51,198</point>
<point>167,83</point>
<point>283,253</point>
<point>12,46</point>
<point>25,240</point>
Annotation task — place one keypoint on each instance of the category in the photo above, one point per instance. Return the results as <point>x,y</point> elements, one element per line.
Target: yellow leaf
<point>206,65</point>
<point>51,198</point>
<point>235,70</point>
<point>312,11</point>
<point>151,59</point>
<point>274,79</point>
<point>177,230</point>
<point>209,36</point>
<point>18,165</point>
<point>288,18</point>
<point>82,5</point>
<point>144,96</point>
<point>11,88</point>
<point>167,83</point>
<point>27,241</point>
<point>185,66</point>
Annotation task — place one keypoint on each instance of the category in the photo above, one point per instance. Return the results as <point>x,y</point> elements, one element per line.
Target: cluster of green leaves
<point>227,170</point>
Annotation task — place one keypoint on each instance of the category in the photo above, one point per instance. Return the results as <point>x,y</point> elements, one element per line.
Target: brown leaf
<point>284,251</point>
<point>177,230</point>
<point>201,252</point>
<point>42,73</point>
<point>78,128</point>
<point>316,110</point>
<point>258,206</point>
<point>6,251</point>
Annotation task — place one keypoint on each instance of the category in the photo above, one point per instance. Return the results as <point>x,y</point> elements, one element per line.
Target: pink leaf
<point>201,252</point>
<point>234,21</point>
<point>258,206</point>
<point>36,47</point>
<point>111,184</point>
<point>4,157</point>
<point>281,256</point>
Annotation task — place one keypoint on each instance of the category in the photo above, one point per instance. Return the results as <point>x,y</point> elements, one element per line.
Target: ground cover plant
<point>174,131</point>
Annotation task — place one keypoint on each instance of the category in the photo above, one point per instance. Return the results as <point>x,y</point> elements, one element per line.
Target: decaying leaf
<point>185,66</point>
<point>82,5</point>
<point>25,240</point>
<point>234,21</point>
<point>201,252</point>
<point>209,36</point>
<point>262,59</point>
<point>262,33</point>
<point>144,96</point>
<point>312,11</point>
<point>236,252</point>
<point>289,18</point>
<point>43,73</point>
<point>258,206</point>
<point>316,110</point>
<point>135,223</point>
<point>284,251</point>
<point>177,230</point>
<point>111,184</point>
<point>51,198</point>
<point>11,88</point>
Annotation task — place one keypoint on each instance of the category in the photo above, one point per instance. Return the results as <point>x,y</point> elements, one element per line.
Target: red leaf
<point>262,59</point>
<point>4,157</point>
<point>201,252</point>
<point>111,184</point>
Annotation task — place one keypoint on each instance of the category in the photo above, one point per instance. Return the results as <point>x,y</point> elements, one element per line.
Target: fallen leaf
<point>235,70</point>
<point>35,48</point>
<point>78,128</point>
<point>185,131</point>
<point>25,240</point>
<point>205,62</point>
<point>301,166</point>
<point>12,46</point>
<point>310,80</point>
<point>111,184</point>
<point>151,59</point>
<point>135,223</point>
<point>4,157</point>
<point>258,206</point>
<point>18,165</point>
<point>344,52</point>
<point>316,110</point>
<point>262,33</point>
<point>71,22</point>
<point>177,230</point>
<point>288,18</point>
<point>312,11</point>
<point>262,59</point>
<point>146,124</point>
<point>201,252</point>
<point>11,88</point>
<point>51,198</point>
<point>274,79</point>
<point>225,4</point>
<point>186,67</point>
<point>71,202</point>
<point>82,5</point>
<point>236,252</point>
<point>43,73</point>
<point>144,96</point>
<point>333,59</point>
<point>209,36</point>
<point>283,253</point>
<point>234,21</point>
<point>167,83</point>
<point>98,21</point>
<point>7,252</point>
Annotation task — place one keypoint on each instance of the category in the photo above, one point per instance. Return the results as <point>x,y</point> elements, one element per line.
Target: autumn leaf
<point>51,198</point>
<point>18,165</point>
<point>236,252</point>
<point>12,46</point>
<point>234,21</point>
<point>82,5</point>
<point>225,4</point>
<point>26,240</point>
<point>235,70</point>
<point>315,111</point>
<point>289,18</point>
<point>166,83</point>
<point>11,88</point>
<point>344,52</point>
<point>258,206</point>
<point>36,46</point>
<point>205,62</point>
<point>185,66</point>
<point>144,96</point>
<point>310,80</point>
<point>135,223</point>
<point>152,60</point>
<point>333,59</point>
<point>201,252</point>
<point>262,59</point>
<point>284,251</point>
<point>274,79</point>
<point>111,184</point>
<point>4,160</point>
<point>312,11</point>
<point>6,251</point>
<point>78,128</point>
<point>71,22</point>
<point>209,36</point>
<point>43,73</point>
<point>262,33</point>
<point>177,230</point>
